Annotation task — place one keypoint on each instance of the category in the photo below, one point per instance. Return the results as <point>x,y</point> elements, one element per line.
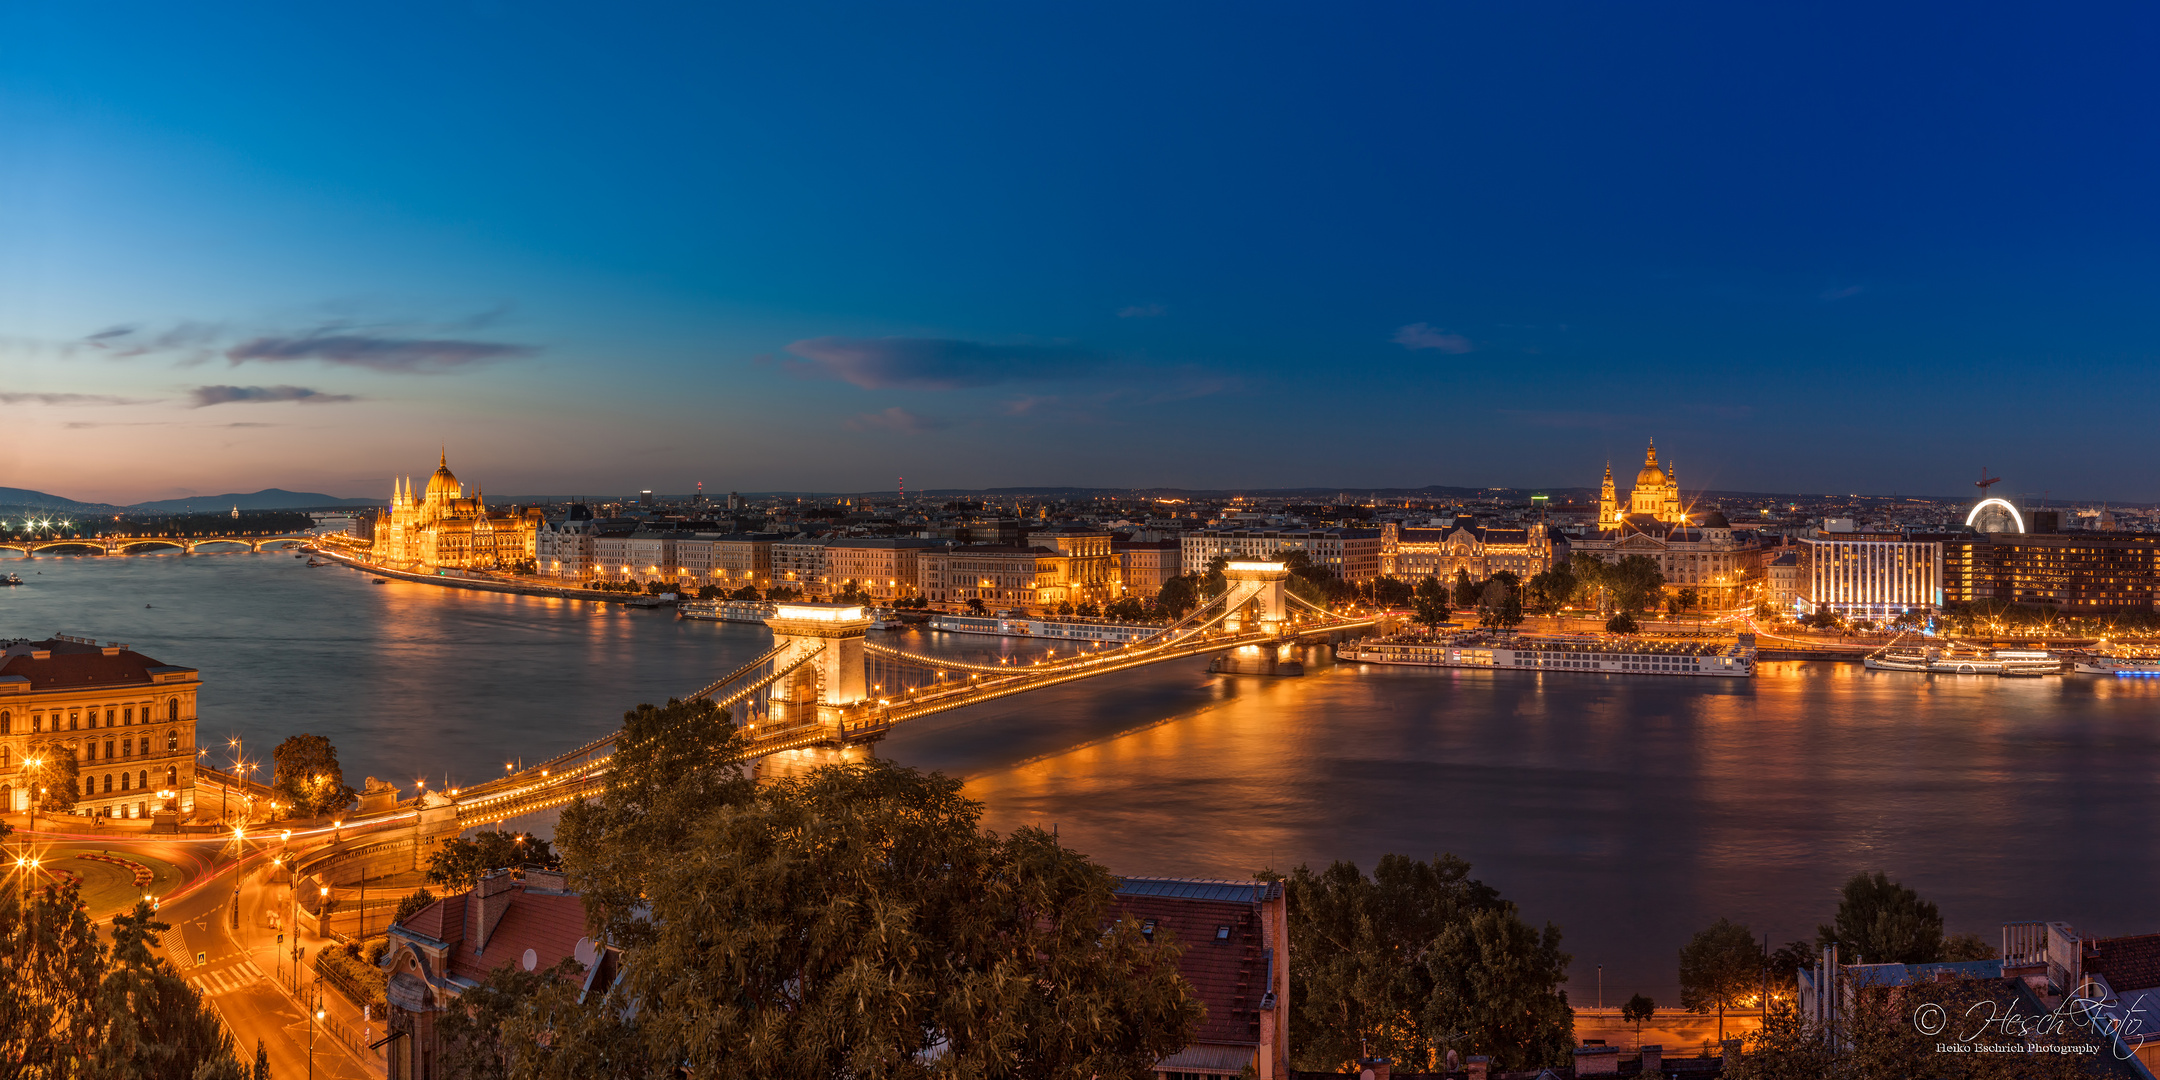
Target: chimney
<point>485,907</point>
<point>1597,1059</point>
<point>546,880</point>
<point>1653,1060</point>
<point>1478,1066</point>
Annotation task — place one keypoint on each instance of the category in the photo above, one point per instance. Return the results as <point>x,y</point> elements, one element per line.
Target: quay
<point>497,585</point>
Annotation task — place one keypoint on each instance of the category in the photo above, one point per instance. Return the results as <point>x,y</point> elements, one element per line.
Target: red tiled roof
<point>2127,963</point>
<point>73,664</point>
<point>550,924</point>
<point>1229,975</point>
<point>443,920</point>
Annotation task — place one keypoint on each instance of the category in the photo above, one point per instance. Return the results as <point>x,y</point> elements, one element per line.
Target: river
<point>1630,810</point>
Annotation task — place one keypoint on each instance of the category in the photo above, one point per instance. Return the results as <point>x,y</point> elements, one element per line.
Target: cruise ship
<point>1966,660</point>
<point>2141,663</point>
<point>1559,653</point>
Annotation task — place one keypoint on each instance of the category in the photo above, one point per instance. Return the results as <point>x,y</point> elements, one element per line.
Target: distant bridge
<point>121,545</point>
<point>812,688</point>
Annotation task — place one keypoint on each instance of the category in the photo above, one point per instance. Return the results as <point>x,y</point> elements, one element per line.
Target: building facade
<point>1408,553</point>
<point>2071,573</point>
<point>1353,554</point>
<point>799,563</point>
<point>443,527</point>
<point>1869,575</point>
<point>1144,567</point>
<point>126,720</point>
<point>882,568</point>
<point>1710,558</point>
<point>1002,577</point>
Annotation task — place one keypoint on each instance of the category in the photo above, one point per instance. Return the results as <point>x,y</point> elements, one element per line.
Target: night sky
<point>1808,248</point>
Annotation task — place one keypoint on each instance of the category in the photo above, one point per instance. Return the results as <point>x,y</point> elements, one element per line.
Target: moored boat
<point>1585,654</point>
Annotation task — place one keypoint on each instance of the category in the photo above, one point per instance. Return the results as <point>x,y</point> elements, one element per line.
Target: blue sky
<point>1807,248</point>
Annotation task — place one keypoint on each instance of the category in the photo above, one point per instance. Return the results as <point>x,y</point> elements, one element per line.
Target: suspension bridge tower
<point>835,677</point>
<point>1259,585</point>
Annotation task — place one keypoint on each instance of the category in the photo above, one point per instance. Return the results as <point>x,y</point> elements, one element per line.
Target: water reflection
<point>1631,810</point>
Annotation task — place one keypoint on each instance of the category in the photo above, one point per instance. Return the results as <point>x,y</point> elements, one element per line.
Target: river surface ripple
<point>1630,810</point>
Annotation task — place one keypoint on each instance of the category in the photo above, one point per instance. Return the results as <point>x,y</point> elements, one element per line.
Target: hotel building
<point>1408,553</point>
<point>1353,554</point>
<point>2073,573</point>
<point>127,720</point>
<point>1869,575</point>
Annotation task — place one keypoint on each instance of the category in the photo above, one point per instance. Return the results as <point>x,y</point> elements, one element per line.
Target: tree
<point>1622,623</point>
<point>1417,960</point>
<point>656,587</point>
<point>122,1011</point>
<point>1501,603</point>
<point>1958,948</point>
<point>1876,1037</point>
<point>859,918</point>
<point>1125,609</point>
<point>461,862</point>
<point>1466,591</point>
<point>308,778</point>
<point>1637,1011</point>
<point>1634,582</point>
<point>1689,598</point>
<point>1549,591</point>
<point>1178,596</point>
<point>1882,922</point>
<point>851,592</point>
<point>1390,592</point>
<point>1429,603</point>
<point>1065,608</point>
<point>58,779</point>
<point>1722,964</point>
<point>976,606</point>
<point>747,592</point>
<point>413,905</point>
<point>1088,610</point>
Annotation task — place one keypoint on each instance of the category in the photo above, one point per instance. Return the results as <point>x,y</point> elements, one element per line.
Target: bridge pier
<point>822,690</point>
<point>1260,586</point>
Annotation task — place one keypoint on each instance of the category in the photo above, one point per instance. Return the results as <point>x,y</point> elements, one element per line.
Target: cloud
<point>1143,311</point>
<point>895,419</point>
<point>1418,335</point>
<point>205,396</point>
<point>934,363</point>
<point>1840,294</point>
<point>128,339</point>
<point>21,398</point>
<point>1025,404</point>
<point>421,356</point>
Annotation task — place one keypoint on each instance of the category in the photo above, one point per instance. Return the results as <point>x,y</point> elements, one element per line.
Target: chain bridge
<point>814,687</point>
<point>121,545</point>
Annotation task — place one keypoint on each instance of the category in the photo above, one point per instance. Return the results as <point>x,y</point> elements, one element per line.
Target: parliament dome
<point>443,482</point>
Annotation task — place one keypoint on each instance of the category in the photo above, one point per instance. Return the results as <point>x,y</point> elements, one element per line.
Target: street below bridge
<point>247,974</point>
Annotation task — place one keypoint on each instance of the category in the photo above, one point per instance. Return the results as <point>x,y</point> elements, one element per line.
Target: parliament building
<point>445,528</point>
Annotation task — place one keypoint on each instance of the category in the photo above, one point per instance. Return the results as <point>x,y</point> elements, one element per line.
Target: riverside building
<point>1869,575</point>
<point>126,720</point>
<point>1353,554</point>
<point>1409,552</point>
<point>443,527</point>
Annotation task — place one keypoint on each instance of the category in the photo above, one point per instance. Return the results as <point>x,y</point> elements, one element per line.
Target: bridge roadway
<point>582,772</point>
<point>121,545</point>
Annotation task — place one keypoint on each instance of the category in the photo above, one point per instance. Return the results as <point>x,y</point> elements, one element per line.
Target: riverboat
<point>1014,624</point>
<point>1558,653</point>
<point>2119,665</point>
<point>11,579</point>
<point>757,611</point>
<point>1967,660</point>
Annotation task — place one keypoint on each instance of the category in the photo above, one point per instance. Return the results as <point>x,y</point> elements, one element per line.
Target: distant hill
<point>39,500</point>
<point>266,499</point>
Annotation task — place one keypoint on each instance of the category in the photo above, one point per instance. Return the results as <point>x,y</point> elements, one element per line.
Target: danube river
<point>1630,810</point>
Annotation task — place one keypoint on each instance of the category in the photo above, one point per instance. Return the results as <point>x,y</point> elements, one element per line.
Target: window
<point>90,750</point>
<point>123,781</point>
<point>172,740</point>
<point>108,718</point>
<point>108,749</point>
<point>172,709</point>
<point>142,779</point>
<point>3,765</point>
<point>172,776</point>
<point>108,782</point>
<point>145,751</point>
<point>74,721</point>
<point>127,715</point>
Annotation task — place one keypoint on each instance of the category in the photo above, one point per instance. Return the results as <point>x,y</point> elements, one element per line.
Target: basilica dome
<point>443,482</point>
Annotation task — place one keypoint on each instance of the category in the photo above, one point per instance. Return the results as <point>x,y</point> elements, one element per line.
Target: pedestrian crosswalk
<point>227,979</point>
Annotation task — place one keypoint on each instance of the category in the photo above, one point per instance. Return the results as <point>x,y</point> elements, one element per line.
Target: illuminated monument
<point>443,527</point>
<point>1656,496</point>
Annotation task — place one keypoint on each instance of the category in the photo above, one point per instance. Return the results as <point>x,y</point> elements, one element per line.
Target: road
<point>238,971</point>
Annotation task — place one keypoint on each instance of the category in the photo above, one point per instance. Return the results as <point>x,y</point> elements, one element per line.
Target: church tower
<point>1608,506</point>
<point>1673,514</point>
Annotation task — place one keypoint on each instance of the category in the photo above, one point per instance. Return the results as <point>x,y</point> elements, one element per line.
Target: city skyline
<point>786,251</point>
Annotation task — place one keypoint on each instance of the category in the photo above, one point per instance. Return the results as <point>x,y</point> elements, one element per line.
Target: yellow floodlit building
<point>444,528</point>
